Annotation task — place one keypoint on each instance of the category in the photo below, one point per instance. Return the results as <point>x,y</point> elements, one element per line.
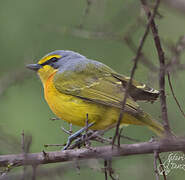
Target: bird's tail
<point>154,125</point>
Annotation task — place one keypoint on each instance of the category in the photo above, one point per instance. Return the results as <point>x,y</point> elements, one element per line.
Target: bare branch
<point>23,151</point>
<point>178,104</point>
<point>105,169</point>
<point>162,166</point>
<point>110,170</point>
<point>162,68</point>
<point>53,145</point>
<point>34,173</point>
<point>103,152</point>
<point>66,131</point>
<point>155,165</point>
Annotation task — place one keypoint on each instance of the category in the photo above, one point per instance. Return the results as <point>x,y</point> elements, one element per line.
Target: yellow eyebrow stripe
<point>46,58</point>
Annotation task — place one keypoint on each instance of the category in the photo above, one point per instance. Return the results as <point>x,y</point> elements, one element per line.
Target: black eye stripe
<point>53,59</point>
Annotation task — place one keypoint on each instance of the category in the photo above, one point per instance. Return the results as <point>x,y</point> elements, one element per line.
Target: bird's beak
<point>34,67</point>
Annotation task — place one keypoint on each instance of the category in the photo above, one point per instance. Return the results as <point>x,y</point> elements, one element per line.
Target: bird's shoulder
<point>83,65</point>
<point>80,74</point>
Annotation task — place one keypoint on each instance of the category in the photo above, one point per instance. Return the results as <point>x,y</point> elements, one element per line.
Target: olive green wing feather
<point>96,84</point>
<point>138,90</point>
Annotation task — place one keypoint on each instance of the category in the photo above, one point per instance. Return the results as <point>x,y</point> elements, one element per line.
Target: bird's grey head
<point>60,57</point>
<point>65,54</point>
<point>56,59</point>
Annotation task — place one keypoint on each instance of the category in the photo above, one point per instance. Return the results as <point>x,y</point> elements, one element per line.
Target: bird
<point>75,86</point>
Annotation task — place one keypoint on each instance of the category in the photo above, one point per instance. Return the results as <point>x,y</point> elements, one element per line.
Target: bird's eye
<point>50,61</point>
<point>53,59</point>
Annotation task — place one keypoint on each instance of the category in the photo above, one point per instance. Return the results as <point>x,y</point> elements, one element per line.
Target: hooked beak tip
<point>34,67</point>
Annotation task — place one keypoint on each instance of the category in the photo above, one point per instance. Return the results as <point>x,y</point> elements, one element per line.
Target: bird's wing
<point>138,91</point>
<point>96,84</point>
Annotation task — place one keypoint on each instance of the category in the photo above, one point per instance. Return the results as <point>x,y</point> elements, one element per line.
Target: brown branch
<point>104,152</point>
<point>162,68</point>
<point>34,173</point>
<point>110,169</point>
<point>171,87</point>
<point>105,169</point>
<point>162,166</point>
<point>24,153</point>
<point>155,165</point>
<point>25,145</point>
<point>133,70</point>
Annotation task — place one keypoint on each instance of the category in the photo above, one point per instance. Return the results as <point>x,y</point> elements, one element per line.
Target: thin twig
<point>34,173</point>
<point>25,146</point>
<point>162,68</point>
<point>70,131</point>
<point>101,139</point>
<point>171,87</point>
<point>119,136</point>
<point>87,142</point>
<point>110,170</point>
<point>23,152</point>
<point>77,166</point>
<point>155,165</point>
<point>54,119</point>
<point>81,140</point>
<point>162,166</point>
<point>105,169</point>
<point>91,135</point>
<point>66,131</point>
<point>133,71</point>
<point>71,128</point>
<point>55,145</point>
<point>23,142</point>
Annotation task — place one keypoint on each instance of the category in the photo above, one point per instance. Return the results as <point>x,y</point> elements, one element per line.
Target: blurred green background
<point>31,29</point>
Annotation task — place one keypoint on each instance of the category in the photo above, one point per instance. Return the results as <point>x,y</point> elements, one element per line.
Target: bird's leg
<point>80,140</point>
<point>76,134</point>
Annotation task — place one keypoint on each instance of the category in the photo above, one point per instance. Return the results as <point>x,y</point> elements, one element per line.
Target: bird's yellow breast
<point>74,110</point>
<point>70,108</point>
